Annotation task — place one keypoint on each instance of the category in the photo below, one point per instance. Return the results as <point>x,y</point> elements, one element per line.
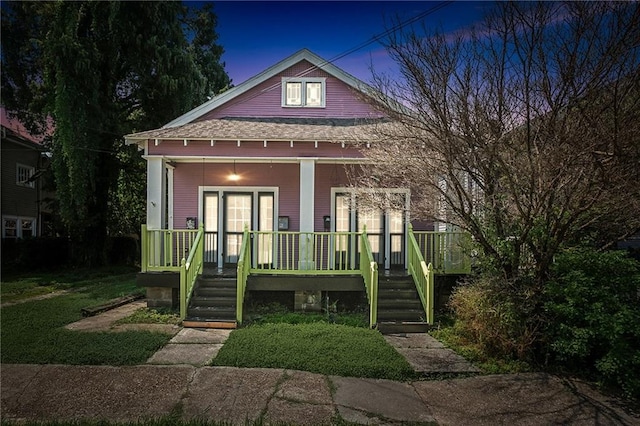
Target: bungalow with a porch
<point>250,192</point>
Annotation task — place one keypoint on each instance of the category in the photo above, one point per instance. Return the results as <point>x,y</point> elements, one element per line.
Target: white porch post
<point>156,209</point>
<point>307,196</point>
<point>169,197</point>
<point>156,193</point>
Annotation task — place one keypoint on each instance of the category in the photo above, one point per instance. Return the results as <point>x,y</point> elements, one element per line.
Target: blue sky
<point>257,34</point>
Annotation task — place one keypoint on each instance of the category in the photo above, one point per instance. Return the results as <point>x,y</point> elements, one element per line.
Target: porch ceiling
<point>278,129</point>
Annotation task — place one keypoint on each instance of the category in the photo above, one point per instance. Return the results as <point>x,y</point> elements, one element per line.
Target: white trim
<point>353,216</point>
<point>170,170</point>
<point>25,183</point>
<point>220,190</point>
<point>252,160</point>
<point>19,219</point>
<point>303,91</point>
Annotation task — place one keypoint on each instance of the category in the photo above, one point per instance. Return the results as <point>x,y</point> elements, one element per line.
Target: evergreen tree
<point>100,70</point>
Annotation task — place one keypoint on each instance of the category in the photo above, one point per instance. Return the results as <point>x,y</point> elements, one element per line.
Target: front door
<point>226,213</point>
<point>237,215</point>
<point>385,228</point>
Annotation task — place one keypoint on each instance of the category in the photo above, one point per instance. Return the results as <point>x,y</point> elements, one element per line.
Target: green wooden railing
<point>423,277</point>
<point>448,252</point>
<point>164,249</point>
<point>307,253</point>
<point>190,269</point>
<point>369,272</point>
<point>243,268</point>
<point>314,253</point>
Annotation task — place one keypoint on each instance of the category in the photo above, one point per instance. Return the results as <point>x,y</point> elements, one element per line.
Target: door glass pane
<point>237,216</point>
<point>373,219</point>
<point>342,213</point>
<point>396,237</point>
<point>211,227</point>
<point>265,223</point>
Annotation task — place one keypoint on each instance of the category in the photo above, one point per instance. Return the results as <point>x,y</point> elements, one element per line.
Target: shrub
<point>497,315</point>
<point>593,308</point>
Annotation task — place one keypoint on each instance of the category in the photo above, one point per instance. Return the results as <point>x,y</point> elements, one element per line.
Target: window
<point>18,227</point>
<point>305,92</point>
<point>24,175</point>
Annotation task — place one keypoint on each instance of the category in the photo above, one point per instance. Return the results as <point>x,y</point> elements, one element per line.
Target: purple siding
<point>253,149</point>
<point>327,176</point>
<point>265,100</point>
<point>187,178</point>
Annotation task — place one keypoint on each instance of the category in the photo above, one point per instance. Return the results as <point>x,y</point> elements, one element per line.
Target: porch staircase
<point>213,303</point>
<point>399,306</point>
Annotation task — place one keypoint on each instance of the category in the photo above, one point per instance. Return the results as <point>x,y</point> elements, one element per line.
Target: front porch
<point>173,266</point>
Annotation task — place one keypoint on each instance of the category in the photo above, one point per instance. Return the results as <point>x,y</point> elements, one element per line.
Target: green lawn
<point>318,347</point>
<point>32,332</point>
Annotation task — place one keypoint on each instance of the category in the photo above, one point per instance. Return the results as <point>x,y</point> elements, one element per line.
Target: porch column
<point>156,193</point>
<point>307,196</point>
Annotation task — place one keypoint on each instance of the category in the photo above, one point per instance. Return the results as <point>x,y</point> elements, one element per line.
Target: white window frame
<point>23,174</point>
<point>303,91</point>
<point>19,220</point>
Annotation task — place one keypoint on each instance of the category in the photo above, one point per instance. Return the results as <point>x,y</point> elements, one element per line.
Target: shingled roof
<point>248,128</point>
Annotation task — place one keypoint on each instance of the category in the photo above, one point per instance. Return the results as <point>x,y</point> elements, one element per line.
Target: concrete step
<point>397,294</point>
<point>214,292</point>
<point>213,301</point>
<point>400,315</point>
<point>204,323</point>
<point>211,313</point>
<point>216,282</point>
<point>396,285</point>
<point>385,303</point>
<point>394,327</point>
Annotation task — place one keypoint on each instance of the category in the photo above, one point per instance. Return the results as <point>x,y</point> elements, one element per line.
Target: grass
<point>318,347</point>
<point>151,316</point>
<point>33,332</point>
<point>17,287</point>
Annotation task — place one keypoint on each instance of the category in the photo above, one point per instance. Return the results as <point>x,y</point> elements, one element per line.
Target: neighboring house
<point>271,155</point>
<point>24,211</point>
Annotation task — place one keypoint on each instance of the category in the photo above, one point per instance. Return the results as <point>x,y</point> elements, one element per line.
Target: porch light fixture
<point>234,176</point>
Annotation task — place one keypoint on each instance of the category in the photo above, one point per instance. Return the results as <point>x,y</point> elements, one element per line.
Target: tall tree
<point>523,132</point>
<point>100,70</point>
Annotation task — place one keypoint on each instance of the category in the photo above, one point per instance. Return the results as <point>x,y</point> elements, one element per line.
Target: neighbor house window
<point>24,175</point>
<point>18,227</point>
<point>305,92</point>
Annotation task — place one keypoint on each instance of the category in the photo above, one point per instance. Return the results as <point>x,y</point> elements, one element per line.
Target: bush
<point>593,311</point>
<point>497,316</point>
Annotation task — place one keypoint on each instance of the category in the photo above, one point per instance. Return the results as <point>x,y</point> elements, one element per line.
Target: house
<point>258,177</point>
<point>24,211</point>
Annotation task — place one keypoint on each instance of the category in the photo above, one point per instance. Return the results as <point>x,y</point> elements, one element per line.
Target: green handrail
<point>190,269</point>
<point>369,272</point>
<point>423,276</point>
<point>243,270</point>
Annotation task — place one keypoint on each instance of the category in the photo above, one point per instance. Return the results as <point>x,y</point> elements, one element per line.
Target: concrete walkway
<point>177,381</point>
<point>236,395</point>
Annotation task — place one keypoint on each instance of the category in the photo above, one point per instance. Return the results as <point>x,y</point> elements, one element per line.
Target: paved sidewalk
<point>235,395</point>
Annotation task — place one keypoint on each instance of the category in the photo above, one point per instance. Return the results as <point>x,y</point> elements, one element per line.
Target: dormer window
<point>303,92</point>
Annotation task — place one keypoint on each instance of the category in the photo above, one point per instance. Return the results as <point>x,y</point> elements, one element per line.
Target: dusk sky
<point>257,34</point>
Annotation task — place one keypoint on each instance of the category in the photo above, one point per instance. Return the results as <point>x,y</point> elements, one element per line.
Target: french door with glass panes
<point>226,214</point>
<point>385,230</point>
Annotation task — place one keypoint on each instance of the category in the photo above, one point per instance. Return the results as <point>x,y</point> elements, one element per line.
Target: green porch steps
<point>399,306</point>
<point>213,303</point>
